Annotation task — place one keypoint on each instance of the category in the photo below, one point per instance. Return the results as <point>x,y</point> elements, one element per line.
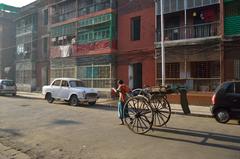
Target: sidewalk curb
<point>28,97</point>
<point>193,114</point>
<point>106,103</point>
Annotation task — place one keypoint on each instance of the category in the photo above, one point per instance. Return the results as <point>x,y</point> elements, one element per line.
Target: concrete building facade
<point>193,43</point>
<point>7,41</point>
<point>83,41</point>
<point>100,41</point>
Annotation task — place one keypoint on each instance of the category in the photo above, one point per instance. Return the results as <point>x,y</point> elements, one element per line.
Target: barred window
<point>237,69</point>
<point>172,70</point>
<point>90,6</point>
<point>95,76</point>
<point>205,69</point>
<point>63,72</point>
<point>23,76</point>
<point>232,9</point>
<point>64,11</point>
<point>92,35</point>
<point>178,5</point>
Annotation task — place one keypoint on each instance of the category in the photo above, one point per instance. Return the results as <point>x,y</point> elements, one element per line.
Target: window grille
<point>97,76</point>
<point>95,20</point>
<point>63,72</point>
<point>94,34</point>
<point>205,69</point>
<point>172,70</point>
<point>232,9</point>
<point>64,11</point>
<point>198,3</point>
<point>178,5</point>
<point>67,29</point>
<point>87,6</point>
<point>237,69</point>
<point>23,76</point>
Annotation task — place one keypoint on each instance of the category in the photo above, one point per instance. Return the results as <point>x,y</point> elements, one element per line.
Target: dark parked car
<point>226,102</point>
<point>8,87</point>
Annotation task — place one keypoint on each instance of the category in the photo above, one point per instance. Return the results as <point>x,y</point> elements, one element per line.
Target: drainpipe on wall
<point>162,45</point>
<point>155,57</point>
<point>222,71</point>
<point>185,19</point>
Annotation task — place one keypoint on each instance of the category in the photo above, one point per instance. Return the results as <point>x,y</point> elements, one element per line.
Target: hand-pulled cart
<point>146,108</point>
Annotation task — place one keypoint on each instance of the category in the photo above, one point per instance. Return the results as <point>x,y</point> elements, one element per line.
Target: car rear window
<point>230,88</point>
<point>76,84</point>
<point>8,83</point>
<point>224,88</point>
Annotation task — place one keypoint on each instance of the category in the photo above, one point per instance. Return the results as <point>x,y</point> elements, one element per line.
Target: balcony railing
<point>57,17</point>
<point>189,32</point>
<point>94,8</point>
<point>170,6</point>
<point>24,29</point>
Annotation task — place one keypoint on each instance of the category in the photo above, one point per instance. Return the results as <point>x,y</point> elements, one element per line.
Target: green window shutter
<point>232,17</point>
<point>64,30</point>
<point>226,1</point>
<point>232,25</point>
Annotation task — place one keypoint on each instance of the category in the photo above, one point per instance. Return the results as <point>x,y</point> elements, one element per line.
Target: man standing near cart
<point>123,91</point>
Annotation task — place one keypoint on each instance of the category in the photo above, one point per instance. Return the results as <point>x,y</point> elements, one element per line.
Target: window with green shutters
<point>95,20</point>
<point>88,30</point>
<point>96,28</point>
<point>64,30</point>
<point>232,8</point>
<point>232,17</point>
<point>94,35</point>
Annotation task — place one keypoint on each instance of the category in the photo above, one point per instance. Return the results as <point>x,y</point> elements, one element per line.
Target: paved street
<point>32,128</point>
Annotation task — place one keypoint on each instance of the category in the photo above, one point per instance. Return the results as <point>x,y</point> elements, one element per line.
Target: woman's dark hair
<point>120,82</point>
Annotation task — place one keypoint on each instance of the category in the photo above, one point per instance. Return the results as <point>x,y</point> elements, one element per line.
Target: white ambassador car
<point>70,90</point>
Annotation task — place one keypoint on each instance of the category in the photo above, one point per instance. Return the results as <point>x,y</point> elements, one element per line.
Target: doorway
<point>44,75</point>
<point>135,75</point>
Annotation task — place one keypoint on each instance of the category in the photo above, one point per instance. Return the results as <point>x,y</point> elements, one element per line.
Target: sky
<point>16,3</point>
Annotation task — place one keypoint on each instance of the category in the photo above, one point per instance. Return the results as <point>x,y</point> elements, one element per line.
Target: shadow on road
<point>12,132</point>
<point>65,122</point>
<point>229,140</point>
<point>103,107</point>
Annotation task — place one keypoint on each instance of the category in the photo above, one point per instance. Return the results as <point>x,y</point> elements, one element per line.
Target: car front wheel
<point>49,98</point>
<point>222,115</point>
<point>73,100</point>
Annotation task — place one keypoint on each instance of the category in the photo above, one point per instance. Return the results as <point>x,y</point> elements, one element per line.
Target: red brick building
<point>136,32</point>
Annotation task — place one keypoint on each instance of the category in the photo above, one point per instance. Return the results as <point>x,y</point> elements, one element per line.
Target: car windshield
<point>76,84</point>
<point>8,83</point>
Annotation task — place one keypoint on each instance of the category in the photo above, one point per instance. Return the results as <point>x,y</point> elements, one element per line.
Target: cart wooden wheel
<point>138,115</point>
<point>161,110</point>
